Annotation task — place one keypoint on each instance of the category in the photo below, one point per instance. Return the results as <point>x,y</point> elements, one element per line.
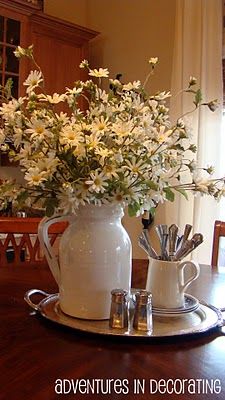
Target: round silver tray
<point>205,318</point>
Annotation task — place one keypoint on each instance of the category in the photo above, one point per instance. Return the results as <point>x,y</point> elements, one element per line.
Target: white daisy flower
<point>79,151</point>
<point>48,164</point>
<point>34,79</point>
<point>2,136</point>
<point>7,110</point>
<point>68,201</point>
<point>103,153</point>
<point>74,91</point>
<point>153,61</point>
<point>82,194</point>
<point>119,196</point>
<point>163,134</point>
<point>71,136</point>
<point>202,185</point>
<point>19,52</point>
<point>132,86</point>
<point>54,99</point>
<point>135,167</point>
<point>17,137</point>
<point>35,177</point>
<point>84,64</point>
<point>100,124</point>
<point>111,171</point>
<point>99,73</point>
<point>162,96</point>
<point>93,140</point>
<point>122,129</point>
<point>38,128</point>
<point>97,183</point>
<point>4,147</point>
<point>192,81</point>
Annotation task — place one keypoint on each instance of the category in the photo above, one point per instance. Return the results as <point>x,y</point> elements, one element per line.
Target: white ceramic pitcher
<point>167,282</point>
<point>94,258</point>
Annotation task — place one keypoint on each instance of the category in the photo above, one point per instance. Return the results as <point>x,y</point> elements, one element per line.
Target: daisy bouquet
<point>121,148</point>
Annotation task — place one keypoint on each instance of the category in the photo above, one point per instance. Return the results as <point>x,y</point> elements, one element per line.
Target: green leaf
<point>37,198</point>
<point>22,197</point>
<point>152,185</point>
<point>198,97</point>
<point>169,194</point>
<point>193,148</point>
<point>133,209</point>
<point>50,205</point>
<point>183,192</point>
<point>178,146</point>
<point>49,210</point>
<point>8,88</point>
<point>152,211</point>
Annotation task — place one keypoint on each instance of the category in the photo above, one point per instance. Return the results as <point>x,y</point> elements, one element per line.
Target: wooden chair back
<point>19,243</point>
<point>219,231</point>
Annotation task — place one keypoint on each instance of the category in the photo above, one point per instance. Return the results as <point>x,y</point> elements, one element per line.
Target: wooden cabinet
<point>59,46</point>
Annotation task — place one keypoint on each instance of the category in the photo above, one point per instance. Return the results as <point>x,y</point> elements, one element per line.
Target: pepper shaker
<point>119,309</point>
<point>143,311</point>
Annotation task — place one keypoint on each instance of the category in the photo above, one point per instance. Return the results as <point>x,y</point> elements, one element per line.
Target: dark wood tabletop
<point>40,359</point>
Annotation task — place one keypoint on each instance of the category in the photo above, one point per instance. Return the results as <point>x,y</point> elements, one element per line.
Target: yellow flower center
<point>39,129</point>
<point>34,82</point>
<point>35,178</point>
<point>109,168</point>
<point>101,126</point>
<point>135,169</point>
<point>71,136</point>
<point>119,197</point>
<point>97,182</point>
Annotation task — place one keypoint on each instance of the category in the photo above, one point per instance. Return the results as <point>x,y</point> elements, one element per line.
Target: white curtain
<point>198,53</point>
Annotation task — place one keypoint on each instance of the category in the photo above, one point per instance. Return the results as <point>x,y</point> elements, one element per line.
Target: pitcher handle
<point>195,273</point>
<point>43,236</point>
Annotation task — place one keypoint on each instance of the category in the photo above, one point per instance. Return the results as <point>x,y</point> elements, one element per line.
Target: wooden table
<point>37,354</point>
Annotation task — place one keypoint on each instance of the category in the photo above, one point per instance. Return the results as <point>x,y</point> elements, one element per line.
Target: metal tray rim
<point>48,307</point>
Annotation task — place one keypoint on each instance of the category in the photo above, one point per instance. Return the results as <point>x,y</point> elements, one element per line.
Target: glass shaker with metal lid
<point>119,309</point>
<point>143,311</point>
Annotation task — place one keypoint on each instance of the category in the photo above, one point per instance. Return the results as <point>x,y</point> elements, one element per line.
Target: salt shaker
<point>143,311</point>
<point>119,309</point>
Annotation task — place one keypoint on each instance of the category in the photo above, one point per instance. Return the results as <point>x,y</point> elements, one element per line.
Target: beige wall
<point>131,31</point>
<point>70,10</point>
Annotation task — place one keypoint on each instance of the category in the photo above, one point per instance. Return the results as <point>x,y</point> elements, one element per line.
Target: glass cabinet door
<point>9,40</point>
<point>9,64</point>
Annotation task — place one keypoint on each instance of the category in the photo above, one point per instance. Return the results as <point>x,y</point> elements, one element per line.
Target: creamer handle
<point>43,236</point>
<point>195,273</point>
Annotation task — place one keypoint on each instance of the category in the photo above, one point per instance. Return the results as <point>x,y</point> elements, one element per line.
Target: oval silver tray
<point>203,319</point>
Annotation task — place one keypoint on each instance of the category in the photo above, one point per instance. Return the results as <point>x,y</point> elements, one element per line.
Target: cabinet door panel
<point>59,62</point>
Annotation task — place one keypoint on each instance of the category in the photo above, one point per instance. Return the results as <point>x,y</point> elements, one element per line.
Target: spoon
<point>173,230</point>
<point>144,242</point>
<point>185,235</point>
<point>162,230</point>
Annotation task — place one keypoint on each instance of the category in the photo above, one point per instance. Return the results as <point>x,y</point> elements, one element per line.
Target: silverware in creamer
<point>145,244</point>
<point>173,231</point>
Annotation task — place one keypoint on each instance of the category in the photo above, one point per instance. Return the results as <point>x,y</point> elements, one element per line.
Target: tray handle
<point>31,292</point>
<point>222,310</point>
<point>218,311</point>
